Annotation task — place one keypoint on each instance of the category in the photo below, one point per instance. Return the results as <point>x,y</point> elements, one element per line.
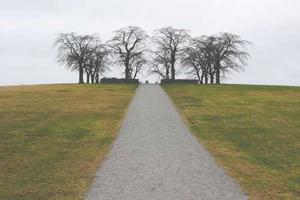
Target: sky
<point>29,28</point>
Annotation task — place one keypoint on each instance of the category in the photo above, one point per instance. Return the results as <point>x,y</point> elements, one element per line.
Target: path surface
<point>155,157</point>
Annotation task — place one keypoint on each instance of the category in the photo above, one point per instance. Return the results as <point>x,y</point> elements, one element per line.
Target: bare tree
<point>212,56</point>
<point>160,64</point>
<point>207,58</point>
<point>230,52</point>
<point>207,45</point>
<point>72,50</point>
<point>197,59</point>
<point>128,47</point>
<point>171,40</point>
<point>136,64</point>
<point>96,62</point>
<point>192,59</point>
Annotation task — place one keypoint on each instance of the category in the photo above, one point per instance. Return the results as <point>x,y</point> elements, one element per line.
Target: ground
<point>54,136</point>
<point>155,157</point>
<point>252,131</point>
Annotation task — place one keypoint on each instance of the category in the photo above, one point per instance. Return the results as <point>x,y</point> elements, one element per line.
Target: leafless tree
<point>96,62</point>
<point>209,57</point>
<point>230,53</point>
<point>206,44</point>
<point>197,58</point>
<point>136,64</point>
<point>128,48</point>
<point>72,50</point>
<point>160,63</point>
<point>170,40</point>
<point>192,60</point>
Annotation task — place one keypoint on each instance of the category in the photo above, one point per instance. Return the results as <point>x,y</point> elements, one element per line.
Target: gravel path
<point>155,157</point>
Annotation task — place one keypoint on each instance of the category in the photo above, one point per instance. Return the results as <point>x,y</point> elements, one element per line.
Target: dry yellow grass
<point>252,131</point>
<point>54,136</point>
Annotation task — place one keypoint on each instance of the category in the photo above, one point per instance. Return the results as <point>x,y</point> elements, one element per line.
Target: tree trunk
<point>211,78</point>
<point>87,78</point>
<point>93,78</point>
<point>201,78</point>
<point>127,73</point>
<point>97,78</point>
<point>81,75</point>
<point>167,74</point>
<point>218,76</point>
<point>206,78</point>
<point>173,59</point>
<point>127,69</point>
<point>173,73</point>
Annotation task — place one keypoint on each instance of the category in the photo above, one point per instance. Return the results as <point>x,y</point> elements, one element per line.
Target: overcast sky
<point>28,29</point>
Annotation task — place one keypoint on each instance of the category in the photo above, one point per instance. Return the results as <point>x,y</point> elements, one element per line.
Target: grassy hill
<point>54,136</point>
<point>253,131</point>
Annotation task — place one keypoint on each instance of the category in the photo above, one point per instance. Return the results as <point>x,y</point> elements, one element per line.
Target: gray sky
<point>28,29</point>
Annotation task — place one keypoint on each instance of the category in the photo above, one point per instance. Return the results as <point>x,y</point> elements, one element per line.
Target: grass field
<point>252,131</point>
<point>52,137</point>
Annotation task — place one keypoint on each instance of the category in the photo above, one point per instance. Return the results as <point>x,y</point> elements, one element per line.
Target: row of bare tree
<point>207,58</point>
<point>83,53</point>
<point>210,58</point>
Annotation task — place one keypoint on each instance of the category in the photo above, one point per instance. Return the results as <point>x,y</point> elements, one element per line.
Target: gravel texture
<point>156,157</point>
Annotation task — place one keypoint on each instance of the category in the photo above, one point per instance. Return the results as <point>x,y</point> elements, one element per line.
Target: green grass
<point>53,137</point>
<point>252,131</point>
